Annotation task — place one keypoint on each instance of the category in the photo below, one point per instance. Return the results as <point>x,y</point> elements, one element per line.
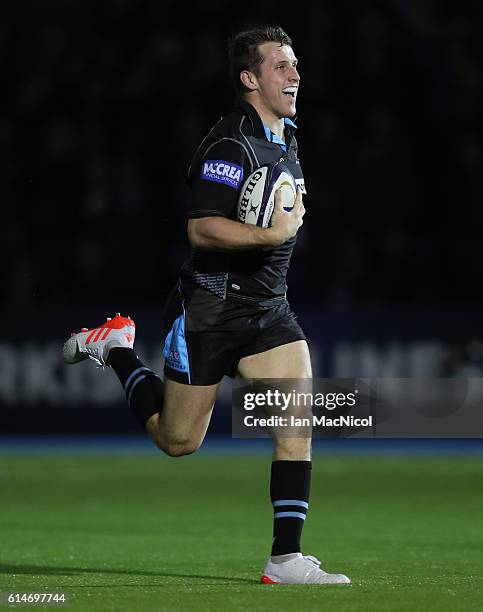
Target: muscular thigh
<point>186,411</point>
<point>286,361</point>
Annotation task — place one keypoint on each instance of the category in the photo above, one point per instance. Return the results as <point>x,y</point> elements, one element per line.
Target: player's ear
<point>249,80</point>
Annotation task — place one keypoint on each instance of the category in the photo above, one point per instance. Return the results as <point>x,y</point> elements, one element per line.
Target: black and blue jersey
<point>237,145</point>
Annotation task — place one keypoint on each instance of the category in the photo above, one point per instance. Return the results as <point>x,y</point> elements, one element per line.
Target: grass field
<point>152,533</point>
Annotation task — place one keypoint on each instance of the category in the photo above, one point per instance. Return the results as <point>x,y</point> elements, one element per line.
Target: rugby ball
<point>257,196</point>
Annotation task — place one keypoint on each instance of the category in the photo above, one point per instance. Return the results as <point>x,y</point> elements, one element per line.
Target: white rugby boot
<point>96,343</point>
<point>295,568</point>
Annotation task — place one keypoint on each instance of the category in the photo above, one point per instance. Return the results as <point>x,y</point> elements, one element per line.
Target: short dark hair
<point>243,51</point>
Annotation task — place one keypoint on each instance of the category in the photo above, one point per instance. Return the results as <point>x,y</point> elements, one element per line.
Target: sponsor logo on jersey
<point>245,202</point>
<point>221,171</point>
<point>301,183</point>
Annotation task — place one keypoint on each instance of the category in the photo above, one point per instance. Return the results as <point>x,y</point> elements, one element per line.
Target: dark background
<point>111,97</point>
<point>102,107</point>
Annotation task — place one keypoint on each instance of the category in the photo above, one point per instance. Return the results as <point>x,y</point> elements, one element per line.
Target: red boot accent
<point>267,580</point>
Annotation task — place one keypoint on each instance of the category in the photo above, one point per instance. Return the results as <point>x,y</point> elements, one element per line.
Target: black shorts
<point>206,336</point>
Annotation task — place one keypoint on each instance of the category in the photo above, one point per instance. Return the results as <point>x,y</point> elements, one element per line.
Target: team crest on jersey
<point>221,171</point>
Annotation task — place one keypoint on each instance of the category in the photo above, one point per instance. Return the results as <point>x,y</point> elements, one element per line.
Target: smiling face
<point>273,89</point>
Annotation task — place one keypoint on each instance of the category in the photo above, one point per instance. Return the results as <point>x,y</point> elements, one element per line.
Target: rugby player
<point>229,315</point>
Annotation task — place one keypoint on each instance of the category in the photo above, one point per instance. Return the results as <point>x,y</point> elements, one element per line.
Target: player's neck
<point>274,123</point>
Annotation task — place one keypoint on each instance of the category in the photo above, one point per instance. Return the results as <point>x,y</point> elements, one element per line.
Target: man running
<point>229,314</point>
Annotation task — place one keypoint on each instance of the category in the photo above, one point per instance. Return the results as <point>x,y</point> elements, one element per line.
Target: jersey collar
<point>271,137</point>
<point>259,129</point>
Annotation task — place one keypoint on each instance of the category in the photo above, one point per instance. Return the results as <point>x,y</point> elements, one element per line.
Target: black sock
<point>143,388</point>
<point>289,492</point>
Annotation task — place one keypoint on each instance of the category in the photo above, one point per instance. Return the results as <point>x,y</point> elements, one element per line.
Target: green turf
<point>152,533</point>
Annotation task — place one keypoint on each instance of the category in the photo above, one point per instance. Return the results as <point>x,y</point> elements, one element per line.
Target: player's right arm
<point>215,233</point>
<point>216,177</point>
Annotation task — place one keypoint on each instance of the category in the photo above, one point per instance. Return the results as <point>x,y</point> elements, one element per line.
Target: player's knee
<point>177,447</point>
